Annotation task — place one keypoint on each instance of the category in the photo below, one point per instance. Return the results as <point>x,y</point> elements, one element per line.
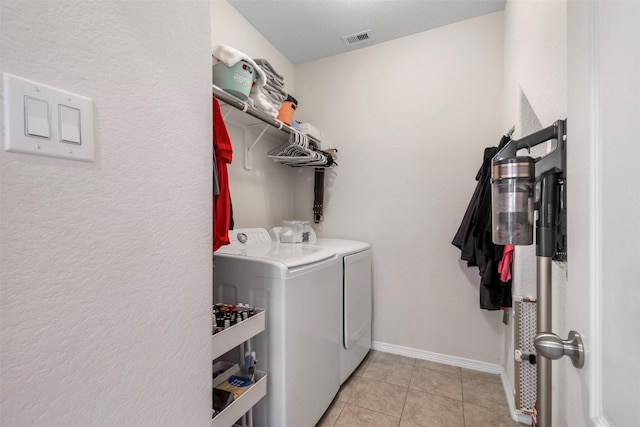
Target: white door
<point>603,191</point>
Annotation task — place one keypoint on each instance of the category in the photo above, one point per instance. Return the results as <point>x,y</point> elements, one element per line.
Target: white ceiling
<point>305,30</point>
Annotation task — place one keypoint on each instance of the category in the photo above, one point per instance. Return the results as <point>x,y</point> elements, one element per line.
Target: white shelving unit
<point>255,116</point>
<point>257,124</point>
<point>221,343</point>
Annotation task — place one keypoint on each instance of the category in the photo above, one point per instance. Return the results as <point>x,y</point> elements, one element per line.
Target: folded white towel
<point>273,102</point>
<point>230,57</point>
<point>262,103</point>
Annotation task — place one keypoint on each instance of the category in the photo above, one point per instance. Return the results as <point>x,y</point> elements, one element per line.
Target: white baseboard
<point>461,362</point>
<point>437,357</point>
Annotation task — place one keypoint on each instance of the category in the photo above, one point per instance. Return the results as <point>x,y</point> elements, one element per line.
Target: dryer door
<point>357,300</point>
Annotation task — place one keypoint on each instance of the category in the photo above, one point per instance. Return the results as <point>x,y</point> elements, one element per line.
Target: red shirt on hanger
<point>221,202</point>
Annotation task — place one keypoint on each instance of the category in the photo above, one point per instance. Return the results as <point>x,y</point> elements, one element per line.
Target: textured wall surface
<point>411,118</point>
<point>106,267</point>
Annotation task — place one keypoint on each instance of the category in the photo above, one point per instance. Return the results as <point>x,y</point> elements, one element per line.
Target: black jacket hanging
<point>474,240</point>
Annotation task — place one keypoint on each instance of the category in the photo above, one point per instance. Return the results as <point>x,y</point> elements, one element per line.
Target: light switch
<point>36,117</point>
<point>46,121</point>
<point>69,122</point>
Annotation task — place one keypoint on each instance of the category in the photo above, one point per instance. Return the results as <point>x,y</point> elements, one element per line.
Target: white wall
<point>411,118</point>
<point>106,267</point>
<point>535,59</point>
<point>262,197</point>
<point>535,88</point>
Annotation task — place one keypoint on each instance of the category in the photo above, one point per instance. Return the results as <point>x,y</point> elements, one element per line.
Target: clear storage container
<point>512,187</point>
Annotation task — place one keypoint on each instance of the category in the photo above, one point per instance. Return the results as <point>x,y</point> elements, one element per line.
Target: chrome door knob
<point>553,347</point>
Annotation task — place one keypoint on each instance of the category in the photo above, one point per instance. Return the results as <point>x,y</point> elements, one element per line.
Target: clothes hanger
<point>297,152</point>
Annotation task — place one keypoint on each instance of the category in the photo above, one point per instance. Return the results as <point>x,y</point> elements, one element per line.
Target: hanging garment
<point>504,268</point>
<point>216,185</point>
<point>474,240</point>
<point>222,202</point>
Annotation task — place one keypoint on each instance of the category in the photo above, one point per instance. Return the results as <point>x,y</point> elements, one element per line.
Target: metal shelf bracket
<point>249,145</point>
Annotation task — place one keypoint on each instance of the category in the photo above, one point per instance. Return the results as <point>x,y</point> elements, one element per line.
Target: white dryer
<point>356,290</point>
<point>299,348</point>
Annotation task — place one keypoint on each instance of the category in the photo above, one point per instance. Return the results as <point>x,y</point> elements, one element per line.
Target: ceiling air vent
<point>357,38</point>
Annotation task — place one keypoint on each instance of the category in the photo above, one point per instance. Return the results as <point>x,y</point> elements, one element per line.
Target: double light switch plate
<point>46,121</point>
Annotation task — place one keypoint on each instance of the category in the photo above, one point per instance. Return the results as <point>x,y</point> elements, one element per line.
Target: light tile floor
<point>398,391</point>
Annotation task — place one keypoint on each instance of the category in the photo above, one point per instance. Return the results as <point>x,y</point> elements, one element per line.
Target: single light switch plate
<point>43,120</point>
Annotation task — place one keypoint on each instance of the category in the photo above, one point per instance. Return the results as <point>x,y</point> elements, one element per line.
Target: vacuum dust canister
<point>512,185</point>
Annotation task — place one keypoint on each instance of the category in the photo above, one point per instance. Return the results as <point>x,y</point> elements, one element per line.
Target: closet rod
<point>231,100</point>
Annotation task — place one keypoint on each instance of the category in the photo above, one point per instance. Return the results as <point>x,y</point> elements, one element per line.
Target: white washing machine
<point>299,348</point>
<point>355,284</point>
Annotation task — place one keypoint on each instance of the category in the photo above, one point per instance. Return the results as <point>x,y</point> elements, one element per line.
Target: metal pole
<point>545,248</point>
<point>543,284</point>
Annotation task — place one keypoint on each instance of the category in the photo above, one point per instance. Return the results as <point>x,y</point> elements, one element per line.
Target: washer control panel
<point>249,236</point>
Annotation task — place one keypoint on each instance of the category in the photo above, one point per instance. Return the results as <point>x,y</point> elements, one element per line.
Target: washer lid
<point>342,246</point>
<point>290,254</point>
